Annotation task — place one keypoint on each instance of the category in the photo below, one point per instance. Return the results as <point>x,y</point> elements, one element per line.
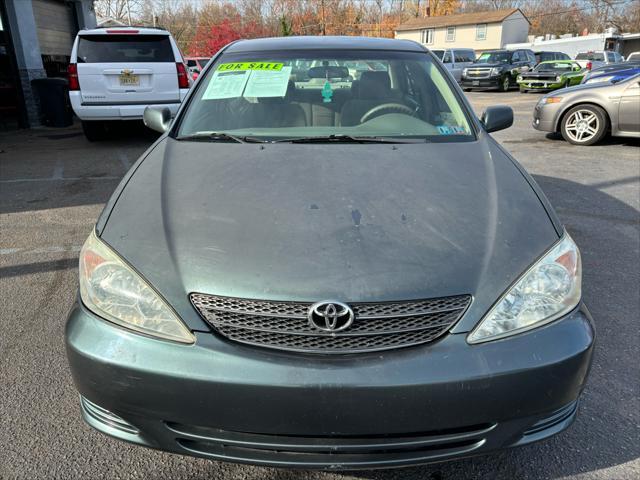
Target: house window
<point>451,34</point>
<point>481,31</point>
<point>426,36</point>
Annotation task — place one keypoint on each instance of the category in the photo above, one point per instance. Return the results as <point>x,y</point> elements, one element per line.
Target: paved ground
<point>52,187</point>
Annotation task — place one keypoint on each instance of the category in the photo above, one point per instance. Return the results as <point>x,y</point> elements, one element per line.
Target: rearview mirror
<point>157,118</point>
<point>328,72</point>
<point>497,118</point>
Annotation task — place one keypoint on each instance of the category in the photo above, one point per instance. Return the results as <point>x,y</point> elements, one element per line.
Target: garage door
<point>56,24</point>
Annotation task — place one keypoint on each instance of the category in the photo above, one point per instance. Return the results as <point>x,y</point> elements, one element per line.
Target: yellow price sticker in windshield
<point>227,67</point>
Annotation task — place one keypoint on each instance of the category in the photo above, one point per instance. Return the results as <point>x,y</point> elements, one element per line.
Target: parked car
<point>196,65</point>
<point>584,114</point>
<point>114,73</point>
<point>497,69</point>
<point>332,279</point>
<point>548,56</point>
<point>633,57</point>
<point>613,76</point>
<point>456,59</point>
<point>610,70</point>
<point>599,58</point>
<point>551,76</point>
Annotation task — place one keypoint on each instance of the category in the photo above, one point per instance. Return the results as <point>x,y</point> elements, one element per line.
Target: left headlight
<point>549,289</point>
<point>112,289</point>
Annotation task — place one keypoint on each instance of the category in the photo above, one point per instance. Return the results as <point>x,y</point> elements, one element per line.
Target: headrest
<point>374,84</point>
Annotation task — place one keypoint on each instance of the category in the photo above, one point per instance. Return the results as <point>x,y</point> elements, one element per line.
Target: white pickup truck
<point>598,58</point>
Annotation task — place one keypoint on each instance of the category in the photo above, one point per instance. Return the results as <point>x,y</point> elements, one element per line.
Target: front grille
<point>479,73</point>
<point>285,326</point>
<point>339,451</point>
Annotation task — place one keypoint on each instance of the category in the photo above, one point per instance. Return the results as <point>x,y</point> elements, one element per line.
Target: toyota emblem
<point>330,316</point>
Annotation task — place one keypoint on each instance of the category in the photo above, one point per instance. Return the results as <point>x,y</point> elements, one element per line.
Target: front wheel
<point>505,84</point>
<point>584,125</point>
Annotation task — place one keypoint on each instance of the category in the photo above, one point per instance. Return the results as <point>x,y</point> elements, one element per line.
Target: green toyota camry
<point>551,75</point>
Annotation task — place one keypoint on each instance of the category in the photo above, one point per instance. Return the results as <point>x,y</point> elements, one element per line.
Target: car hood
<point>541,74</point>
<point>310,222</point>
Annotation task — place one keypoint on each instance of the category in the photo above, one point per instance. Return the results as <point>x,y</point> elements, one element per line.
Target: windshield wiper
<point>219,137</point>
<point>342,138</point>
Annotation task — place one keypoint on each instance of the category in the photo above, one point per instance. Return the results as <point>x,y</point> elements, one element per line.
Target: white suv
<point>115,73</point>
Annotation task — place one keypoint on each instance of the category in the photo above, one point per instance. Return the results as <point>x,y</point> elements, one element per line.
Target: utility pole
<point>324,30</point>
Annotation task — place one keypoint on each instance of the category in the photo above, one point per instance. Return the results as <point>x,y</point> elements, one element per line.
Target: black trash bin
<point>53,95</point>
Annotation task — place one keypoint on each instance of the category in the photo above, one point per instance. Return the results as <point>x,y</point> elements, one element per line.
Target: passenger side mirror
<point>497,118</point>
<point>157,118</point>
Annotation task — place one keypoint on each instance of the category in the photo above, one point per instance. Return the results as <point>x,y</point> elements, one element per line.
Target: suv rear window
<point>124,49</point>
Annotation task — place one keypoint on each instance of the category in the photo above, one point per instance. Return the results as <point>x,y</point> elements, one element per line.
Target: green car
<point>551,75</point>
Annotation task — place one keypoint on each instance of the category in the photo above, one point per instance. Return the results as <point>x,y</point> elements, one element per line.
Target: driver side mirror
<point>497,118</point>
<point>157,118</point>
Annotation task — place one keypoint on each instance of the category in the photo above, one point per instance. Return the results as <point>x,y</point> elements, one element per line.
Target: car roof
<point>124,30</point>
<point>559,61</point>
<point>323,42</point>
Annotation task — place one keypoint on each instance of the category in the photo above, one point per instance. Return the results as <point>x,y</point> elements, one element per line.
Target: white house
<point>480,30</point>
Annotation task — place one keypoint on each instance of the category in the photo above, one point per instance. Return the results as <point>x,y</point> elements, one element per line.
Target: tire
<point>584,125</point>
<point>505,83</point>
<point>94,131</point>
<point>466,89</point>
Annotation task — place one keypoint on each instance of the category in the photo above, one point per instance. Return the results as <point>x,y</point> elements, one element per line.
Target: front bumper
<point>544,117</point>
<point>482,83</point>
<point>411,406</point>
<point>537,85</point>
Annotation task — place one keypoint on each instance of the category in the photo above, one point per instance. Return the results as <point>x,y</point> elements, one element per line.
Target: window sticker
<point>268,82</point>
<point>457,130</point>
<point>239,66</point>
<point>327,92</point>
<point>444,130</point>
<point>226,84</point>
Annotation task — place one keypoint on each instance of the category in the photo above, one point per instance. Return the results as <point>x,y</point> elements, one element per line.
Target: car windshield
<point>335,95</point>
<point>494,57</point>
<point>556,67</point>
<point>599,57</point>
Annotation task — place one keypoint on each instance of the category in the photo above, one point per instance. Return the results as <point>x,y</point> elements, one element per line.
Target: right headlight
<point>600,79</point>
<point>549,289</point>
<point>496,71</point>
<point>113,290</point>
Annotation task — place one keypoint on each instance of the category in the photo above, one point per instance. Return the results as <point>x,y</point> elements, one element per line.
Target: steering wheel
<point>386,108</point>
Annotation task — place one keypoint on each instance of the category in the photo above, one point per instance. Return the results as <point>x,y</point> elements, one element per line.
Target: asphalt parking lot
<point>53,184</point>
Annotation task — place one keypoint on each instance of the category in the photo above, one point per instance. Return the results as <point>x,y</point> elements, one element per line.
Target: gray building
<point>36,37</point>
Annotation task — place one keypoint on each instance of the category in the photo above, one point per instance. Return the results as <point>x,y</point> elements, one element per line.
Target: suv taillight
<point>72,73</point>
<point>183,78</point>
<point>589,65</point>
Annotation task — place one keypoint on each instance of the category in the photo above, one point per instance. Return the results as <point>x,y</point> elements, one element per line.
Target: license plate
<point>475,83</point>
<point>128,79</point>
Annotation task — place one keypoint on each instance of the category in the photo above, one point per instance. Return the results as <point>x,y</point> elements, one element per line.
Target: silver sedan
<point>584,114</point>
